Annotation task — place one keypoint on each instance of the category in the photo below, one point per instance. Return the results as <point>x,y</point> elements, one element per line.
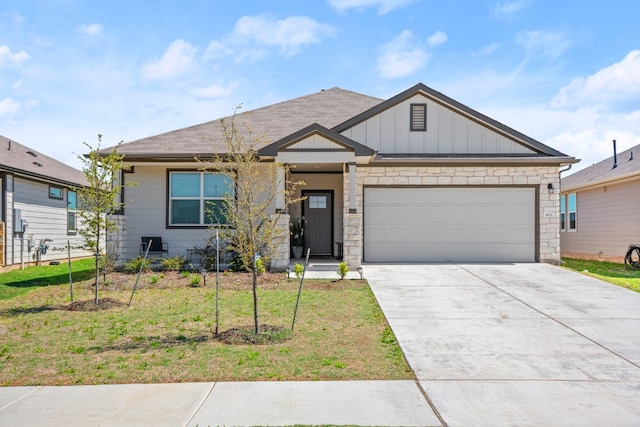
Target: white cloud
<point>9,107</point>
<point>254,36</point>
<point>613,86</point>
<point>212,92</point>
<point>13,59</point>
<point>384,6</point>
<point>177,60</point>
<point>437,38</point>
<point>90,29</point>
<point>543,44</point>
<point>486,50</point>
<point>507,9</point>
<point>402,56</point>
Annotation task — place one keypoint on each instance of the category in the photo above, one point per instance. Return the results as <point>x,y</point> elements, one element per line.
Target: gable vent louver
<point>418,114</point>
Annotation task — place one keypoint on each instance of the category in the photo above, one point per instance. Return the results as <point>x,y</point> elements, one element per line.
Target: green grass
<point>611,272</point>
<point>17,282</point>
<point>167,334</point>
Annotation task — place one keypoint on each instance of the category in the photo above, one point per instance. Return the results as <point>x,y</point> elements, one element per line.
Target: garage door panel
<point>449,224</point>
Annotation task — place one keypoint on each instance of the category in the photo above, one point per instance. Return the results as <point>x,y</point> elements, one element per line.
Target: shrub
<point>134,265</point>
<point>194,280</point>
<point>185,274</point>
<point>236,264</point>
<point>173,263</point>
<point>343,269</point>
<point>260,268</point>
<point>298,269</point>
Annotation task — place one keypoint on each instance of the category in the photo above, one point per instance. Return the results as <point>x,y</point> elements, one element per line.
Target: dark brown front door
<point>318,211</point>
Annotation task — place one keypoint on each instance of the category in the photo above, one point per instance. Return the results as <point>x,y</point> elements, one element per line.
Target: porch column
<point>352,255</point>
<point>280,256</point>
<point>352,188</point>
<point>280,190</point>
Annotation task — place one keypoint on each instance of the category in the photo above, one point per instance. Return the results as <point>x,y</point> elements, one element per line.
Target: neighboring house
<point>38,203</point>
<point>600,208</point>
<point>418,177</point>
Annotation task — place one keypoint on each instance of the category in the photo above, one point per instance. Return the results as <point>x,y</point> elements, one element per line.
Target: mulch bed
<point>246,335</point>
<point>90,305</point>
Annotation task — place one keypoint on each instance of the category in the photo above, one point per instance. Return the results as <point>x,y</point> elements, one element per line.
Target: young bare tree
<point>99,198</point>
<point>248,214</point>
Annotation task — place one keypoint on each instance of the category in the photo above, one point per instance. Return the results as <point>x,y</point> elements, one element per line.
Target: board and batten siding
<point>447,132</point>
<point>607,222</point>
<point>46,219</point>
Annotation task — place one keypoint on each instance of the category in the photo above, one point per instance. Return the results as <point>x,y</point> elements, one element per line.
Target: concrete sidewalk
<point>362,403</point>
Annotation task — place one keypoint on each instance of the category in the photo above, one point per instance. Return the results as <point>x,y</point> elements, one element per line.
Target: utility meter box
<point>17,221</point>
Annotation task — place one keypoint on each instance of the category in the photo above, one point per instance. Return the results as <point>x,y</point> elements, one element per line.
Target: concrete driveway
<point>516,344</point>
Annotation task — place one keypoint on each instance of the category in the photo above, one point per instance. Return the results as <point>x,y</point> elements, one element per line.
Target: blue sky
<point>566,73</point>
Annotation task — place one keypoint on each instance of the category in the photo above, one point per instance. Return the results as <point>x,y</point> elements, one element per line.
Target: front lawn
<point>611,272</point>
<point>17,282</point>
<point>167,333</point>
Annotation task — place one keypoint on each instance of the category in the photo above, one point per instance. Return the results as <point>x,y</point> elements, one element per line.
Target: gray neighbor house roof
<point>21,160</point>
<point>328,112</point>
<point>627,165</point>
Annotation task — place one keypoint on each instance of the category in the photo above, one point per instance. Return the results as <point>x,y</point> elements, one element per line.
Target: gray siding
<point>46,218</point>
<point>146,212</point>
<point>607,221</point>
<point>448,132</point>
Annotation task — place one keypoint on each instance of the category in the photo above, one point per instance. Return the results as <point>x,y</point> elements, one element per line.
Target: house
<point>417,177</point>
<point>38,206</point>
<point>600,208</point>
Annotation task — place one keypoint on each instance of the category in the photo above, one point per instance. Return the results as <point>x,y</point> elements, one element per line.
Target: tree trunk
<point>97,255</point>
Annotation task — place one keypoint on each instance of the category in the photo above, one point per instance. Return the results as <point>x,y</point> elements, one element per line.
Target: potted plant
<point>297,236</point>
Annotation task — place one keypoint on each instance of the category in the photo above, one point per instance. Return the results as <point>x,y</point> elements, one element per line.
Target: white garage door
<point>449,224</point>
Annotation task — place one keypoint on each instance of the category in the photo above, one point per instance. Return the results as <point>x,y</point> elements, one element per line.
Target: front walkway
<point>322,268</point>
<point>516,345</point>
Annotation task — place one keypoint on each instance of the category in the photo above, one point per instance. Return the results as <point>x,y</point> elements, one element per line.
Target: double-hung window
<point>198,198</point>
<point>72,223</point>
<point>572,209</point>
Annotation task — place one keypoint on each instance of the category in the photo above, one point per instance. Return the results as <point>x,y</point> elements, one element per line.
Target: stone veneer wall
<point>116,240</point>
<point>540,176</point>
<point>281,254</point>
<point>352,250</point>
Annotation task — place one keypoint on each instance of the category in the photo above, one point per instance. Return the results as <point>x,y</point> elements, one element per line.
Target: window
<point>198,198</point>
<point>418,114</point>
<point>55,193</point>
<point>563,213</point>
<point>572,213</point>
<point>317,202</point>
<point>72,224</point>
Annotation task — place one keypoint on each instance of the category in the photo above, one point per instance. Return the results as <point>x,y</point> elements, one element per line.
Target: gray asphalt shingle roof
<point>328,108</point>
<point>628,164</point>
<point>17,158</point>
